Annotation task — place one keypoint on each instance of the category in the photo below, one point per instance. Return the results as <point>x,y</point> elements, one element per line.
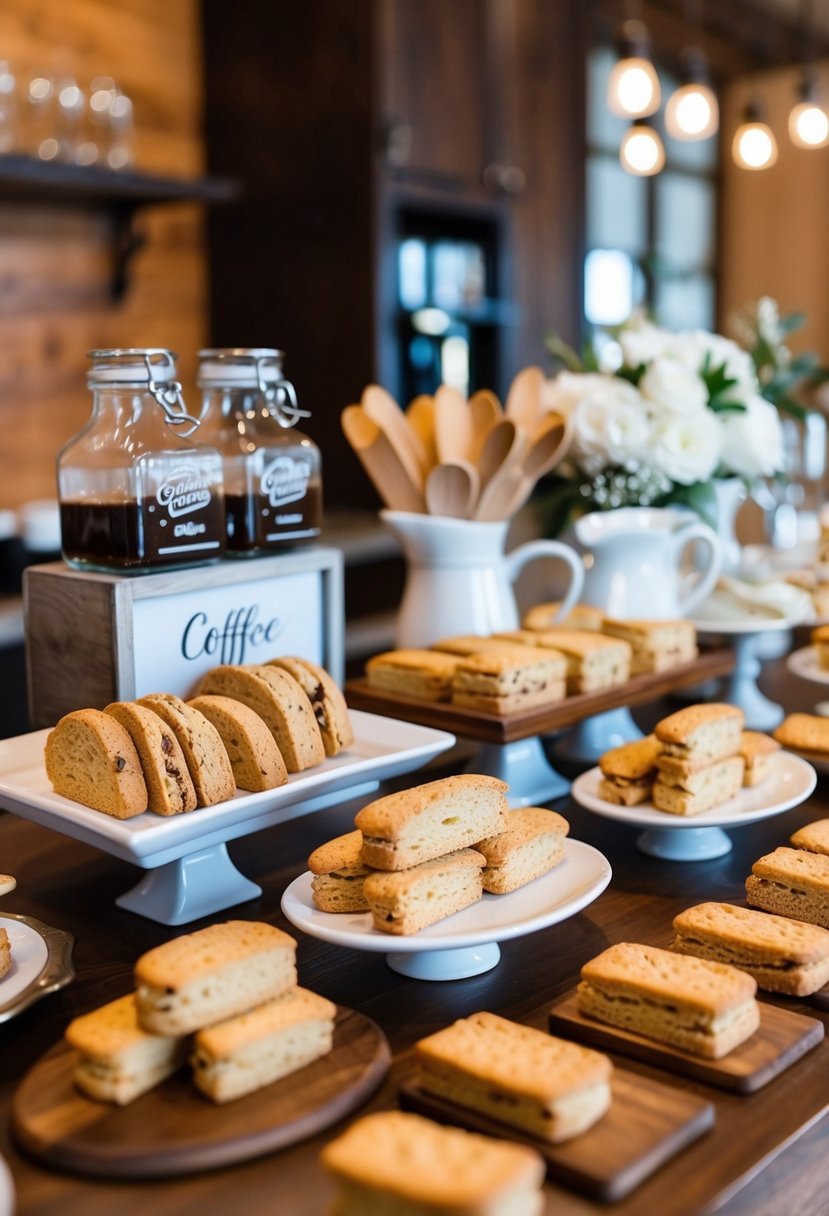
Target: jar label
<point>185,490</point>
<point>184,510</point>
<point>285,480</point>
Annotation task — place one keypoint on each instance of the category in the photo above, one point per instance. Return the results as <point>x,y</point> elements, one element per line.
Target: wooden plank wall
<point>55,260</point>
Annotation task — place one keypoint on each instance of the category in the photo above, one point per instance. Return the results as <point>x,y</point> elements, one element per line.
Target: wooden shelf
<point>118,193</point>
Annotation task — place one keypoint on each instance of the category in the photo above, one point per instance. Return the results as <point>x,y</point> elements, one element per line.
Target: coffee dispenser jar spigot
<point>272,472</point>
<point>136,492</point>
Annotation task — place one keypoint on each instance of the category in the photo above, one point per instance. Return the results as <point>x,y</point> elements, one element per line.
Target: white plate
<point>805,663</point>
<point>41,963</point>
<point>697,837</point>
<point>382,748</point>
<point>449,949</point>
<point>748,625</point>
<point>6,1190</point>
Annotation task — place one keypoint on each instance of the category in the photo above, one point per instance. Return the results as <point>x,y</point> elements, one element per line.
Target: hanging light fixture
<point>808,120</point>
<point>692,111</point>
<point>642,152</point>
<point>633,87</point>
<point>754,145</point>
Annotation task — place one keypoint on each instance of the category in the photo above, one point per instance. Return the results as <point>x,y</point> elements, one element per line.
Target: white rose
<point>694,346</point>
<point>753,439</point>
<point>610,426</point>
<point>678,389</point>
<point>562,394</point>
<point>642,342</point>
<point>687,447</point>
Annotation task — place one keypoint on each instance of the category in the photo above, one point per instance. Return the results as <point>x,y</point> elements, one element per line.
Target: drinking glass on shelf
<point>71,108</point>
<point>120,151</point>
<point>41,123</point>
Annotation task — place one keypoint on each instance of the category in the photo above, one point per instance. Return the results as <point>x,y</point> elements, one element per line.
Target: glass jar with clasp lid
<point>272,472</point>
<point>136,493</point>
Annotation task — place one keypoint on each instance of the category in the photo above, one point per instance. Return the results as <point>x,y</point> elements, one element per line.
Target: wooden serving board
<point>646,1125</point>
<point>174,1129</point>
<point>782,1038</point>
<point>540,719</point>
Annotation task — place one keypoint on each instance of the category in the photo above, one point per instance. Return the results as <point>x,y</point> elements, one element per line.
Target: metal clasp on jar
<point>168,394</point>
<point>279,395</point>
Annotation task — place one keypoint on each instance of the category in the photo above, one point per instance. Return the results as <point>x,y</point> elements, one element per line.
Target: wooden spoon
<point>511,489</point>
<point>420,415</point>
<point>484,413</point>
<point>453,425</point>
<point>381,460</point>
<point>384,411</point>
<point>548,447</point>
<point>501,448</point>
<point>524,398</point>
<point>496,498</point>
<point>452,489</point>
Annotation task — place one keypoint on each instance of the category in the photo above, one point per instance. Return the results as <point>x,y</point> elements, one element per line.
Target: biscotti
<point>255,759</point>
<point>395,1164</point>
<point>594,662</point>
<point>92,759</point>
<point>339,873</point>
<point>523,1077</point>
<point>406,901</point>
<point>814,837</point>
<point>202,747</point>
<point>531,845</point>
<point>820,641</point>
<point>783,955</point>
<point>657,645</point>
<point>804,733</point>
<point>465,644</point>
<point>757,750</point>
<point>169,787</point>
<point>415,825</point>
<point>5,953</point>
<point>793,883</point>
<point>253,1049</point>
<point>701,733</point>
<point>280,702</point>
<point>684,789</point>
<point>580,617</point>
<point>701,1007</point>
<point>118,1060</point>
<point>204,977</point>
<point>507,681</point>
<point>628,771</point>
<point>425,674</point>
<point>327,701</point>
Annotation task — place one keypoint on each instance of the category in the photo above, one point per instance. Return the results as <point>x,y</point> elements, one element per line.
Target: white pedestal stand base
<point>531,778</point>
<point>740,688</point>
<point>194,886</point>
<point>589,741</point>
<point>689,844</point>
<point>457,964</point>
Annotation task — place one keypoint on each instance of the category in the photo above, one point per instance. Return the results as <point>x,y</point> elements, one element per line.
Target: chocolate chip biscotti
<point>509,680</point>
<point>327,701</point>
<point>594,661</point>
<point>531,845</point>
<point>406,901</point>
<point>201,744</point>
<point>169,785</point>
<point>520,1076</point>
<point>657,645</point>
<point>415,825</point>
<point>783,955</point>
<point>92,759</point>
<point>395,1164</point>
<point>255,759</point>
<point>701,1007</point>
<point>202,978</point>
<point>793,883</point>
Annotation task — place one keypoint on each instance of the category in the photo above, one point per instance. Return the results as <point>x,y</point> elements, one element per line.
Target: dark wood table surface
<point>768,1153</point>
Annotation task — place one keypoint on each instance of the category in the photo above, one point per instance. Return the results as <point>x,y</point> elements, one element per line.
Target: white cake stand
<point>467,943</point>
<point>700,837</point>
<point>740,688</point>
<point>806,664</point>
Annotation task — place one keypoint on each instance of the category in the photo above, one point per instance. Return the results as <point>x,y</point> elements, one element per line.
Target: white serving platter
<point>466,943</point>
<point>189,872</point>
<point>700,837</point>
<point>806,664</point>
<point>41,963</point>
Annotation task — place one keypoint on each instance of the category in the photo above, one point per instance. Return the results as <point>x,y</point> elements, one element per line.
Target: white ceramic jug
<point>634,568</point>
<point>459,580</point>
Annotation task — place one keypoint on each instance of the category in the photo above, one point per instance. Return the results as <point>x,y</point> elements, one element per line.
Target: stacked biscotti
<point>225,997</point>
<point>699,765</point>
<point>427,852</point>
<point>247,728</point>
<point>655,645</point>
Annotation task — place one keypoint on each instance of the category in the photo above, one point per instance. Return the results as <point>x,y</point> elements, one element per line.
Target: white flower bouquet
<point>681,410</point>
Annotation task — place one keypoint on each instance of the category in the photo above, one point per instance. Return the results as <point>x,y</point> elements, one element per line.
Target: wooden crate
<point>94,638</point>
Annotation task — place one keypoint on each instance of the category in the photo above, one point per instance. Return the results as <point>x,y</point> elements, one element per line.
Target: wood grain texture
<point>55,261</point>
<point>541,719</point>
<point>174,1130</point>
<point>646,1125</point>
<point>782,1038</point>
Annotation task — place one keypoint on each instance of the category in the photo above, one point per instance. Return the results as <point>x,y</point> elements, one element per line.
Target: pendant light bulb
<point>754,146</point>
<point>633,87</point>
<point>692,111</point>
<point>642,152</point>
<point>808,120</point>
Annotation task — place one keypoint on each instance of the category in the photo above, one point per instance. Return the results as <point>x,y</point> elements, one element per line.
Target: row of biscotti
<point>247,728</point>
<point>656,645</point>
<point>696,759</point>
<point>225,997</point>
<point>427,852</point>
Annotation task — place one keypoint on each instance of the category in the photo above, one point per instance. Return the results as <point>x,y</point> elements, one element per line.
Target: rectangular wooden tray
<point>783,1037</point>
<point>647,1124</point>
<point>541,719</point>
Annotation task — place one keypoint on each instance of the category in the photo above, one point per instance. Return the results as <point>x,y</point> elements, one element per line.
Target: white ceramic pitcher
<point>634,570</point>
<point>459,580</point>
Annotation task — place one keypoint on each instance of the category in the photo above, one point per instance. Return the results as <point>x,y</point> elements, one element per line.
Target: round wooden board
<point>173,1129</point>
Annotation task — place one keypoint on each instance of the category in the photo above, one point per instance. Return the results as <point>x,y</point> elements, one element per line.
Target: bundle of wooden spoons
<point>448,456</point>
